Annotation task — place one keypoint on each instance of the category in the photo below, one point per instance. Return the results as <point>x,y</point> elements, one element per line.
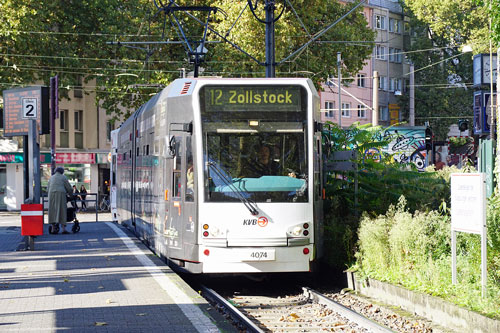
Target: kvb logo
<point>262,221</point>
<point>249,221</point>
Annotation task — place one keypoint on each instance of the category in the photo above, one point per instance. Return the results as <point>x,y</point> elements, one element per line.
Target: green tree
<point>459,22</point>
<point>68,37</point>
<point>443,79</point>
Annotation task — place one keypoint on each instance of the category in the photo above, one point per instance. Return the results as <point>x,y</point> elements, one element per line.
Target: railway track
<point>306,312</point>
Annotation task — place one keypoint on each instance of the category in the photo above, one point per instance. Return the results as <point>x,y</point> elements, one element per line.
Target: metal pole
<point>34,155</point>
<point>492,108</point>
<point>270,69</point>
<point>484,258</point>
<point>26,166</point>
<point>412,95</point>
<point>375,99</point>
<point>453,257</point>
<point>52,124</point>
<point>339,71</point>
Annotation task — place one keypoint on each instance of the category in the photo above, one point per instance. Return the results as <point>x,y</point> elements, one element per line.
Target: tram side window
<point>189,195</point>
<point>177,167</point>
<point>177,184</point>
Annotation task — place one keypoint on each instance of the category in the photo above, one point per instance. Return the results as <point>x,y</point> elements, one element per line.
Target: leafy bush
<point>413,250</point>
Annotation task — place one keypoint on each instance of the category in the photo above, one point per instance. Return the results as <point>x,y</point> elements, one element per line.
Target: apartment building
<point>386,18</point>
<point>83,143</point>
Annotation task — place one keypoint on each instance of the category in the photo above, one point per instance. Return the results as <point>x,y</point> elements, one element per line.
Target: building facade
<point>83,141</point>
<point>387,19</point>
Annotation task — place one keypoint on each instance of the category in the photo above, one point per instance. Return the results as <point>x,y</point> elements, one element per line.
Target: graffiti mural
<point>407,145</point>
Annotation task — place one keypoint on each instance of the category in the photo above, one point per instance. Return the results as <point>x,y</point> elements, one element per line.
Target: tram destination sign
<point>23,104</point>
<point>251,98</point>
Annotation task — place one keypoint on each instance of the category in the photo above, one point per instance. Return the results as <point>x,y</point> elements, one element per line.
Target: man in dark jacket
<point>58,189</point>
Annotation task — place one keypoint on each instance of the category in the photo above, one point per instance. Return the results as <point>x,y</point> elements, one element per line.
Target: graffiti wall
<point>407,145</point>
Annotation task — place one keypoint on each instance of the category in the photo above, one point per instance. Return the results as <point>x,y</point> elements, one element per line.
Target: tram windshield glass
<point>254,143</point>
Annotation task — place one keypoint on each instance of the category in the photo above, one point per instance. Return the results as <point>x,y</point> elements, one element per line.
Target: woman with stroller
<point>58,188</point>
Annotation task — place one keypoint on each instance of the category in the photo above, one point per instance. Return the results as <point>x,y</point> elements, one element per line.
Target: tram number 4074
<point>259,255</point>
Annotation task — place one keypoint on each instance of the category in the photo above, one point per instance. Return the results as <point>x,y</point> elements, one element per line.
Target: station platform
<point>101,279</point>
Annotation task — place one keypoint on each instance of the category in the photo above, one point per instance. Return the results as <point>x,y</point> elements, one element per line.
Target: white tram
<point>223,175</point>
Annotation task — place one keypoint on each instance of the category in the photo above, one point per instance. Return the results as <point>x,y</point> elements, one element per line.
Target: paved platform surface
<point>101,279</point>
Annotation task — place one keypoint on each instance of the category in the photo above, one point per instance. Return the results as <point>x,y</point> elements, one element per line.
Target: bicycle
<point>105,204</point>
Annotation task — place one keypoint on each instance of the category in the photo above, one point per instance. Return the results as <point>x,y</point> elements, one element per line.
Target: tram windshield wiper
<point>249,204</point>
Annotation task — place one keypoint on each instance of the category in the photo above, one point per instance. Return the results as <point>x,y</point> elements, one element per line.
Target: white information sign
<point>468,202</point>
<point>468,214</point>
<point>30,107</point>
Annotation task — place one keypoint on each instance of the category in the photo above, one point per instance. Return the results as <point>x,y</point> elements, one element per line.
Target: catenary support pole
<point>375,99</point>
<point>339,72</point>
<point>412,95</point>
<point>270,57</point>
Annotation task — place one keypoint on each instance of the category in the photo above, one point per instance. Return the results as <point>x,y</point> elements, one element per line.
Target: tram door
<point>180,227</point>
<point>173,226</point>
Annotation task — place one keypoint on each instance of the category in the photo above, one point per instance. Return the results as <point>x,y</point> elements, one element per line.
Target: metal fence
<point>93,202</point>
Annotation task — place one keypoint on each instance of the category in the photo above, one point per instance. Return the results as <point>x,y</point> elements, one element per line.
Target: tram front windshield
<point>254,143</point>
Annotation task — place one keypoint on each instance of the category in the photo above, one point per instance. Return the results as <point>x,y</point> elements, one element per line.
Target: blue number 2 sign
<point>30,108</point>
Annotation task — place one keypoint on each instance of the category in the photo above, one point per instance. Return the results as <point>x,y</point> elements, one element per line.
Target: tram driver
<point>263,165</point>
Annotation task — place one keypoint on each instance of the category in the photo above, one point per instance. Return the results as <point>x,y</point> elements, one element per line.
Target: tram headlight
<point>299,230</point>
<point>296,231</point>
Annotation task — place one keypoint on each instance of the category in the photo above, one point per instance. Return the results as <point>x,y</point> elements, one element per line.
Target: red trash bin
<point>31,219</point>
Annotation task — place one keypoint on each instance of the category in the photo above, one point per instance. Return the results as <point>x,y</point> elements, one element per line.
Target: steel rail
<point>349,314</point>
<point>235,313</point>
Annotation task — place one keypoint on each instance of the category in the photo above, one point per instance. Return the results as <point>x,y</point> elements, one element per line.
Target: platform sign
<point>22,105</point>
<point>468,214</point>
<point>30,108</point>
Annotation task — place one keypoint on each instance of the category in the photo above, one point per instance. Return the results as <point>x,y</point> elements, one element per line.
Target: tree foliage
<point>69,38</point>
<point>459,22</point>
<point>443,79</point>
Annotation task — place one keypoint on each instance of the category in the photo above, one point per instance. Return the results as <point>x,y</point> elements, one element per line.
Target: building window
<point>63,126</point>
<point>392,84</point>
<point>63,120</point>
<point>78,129</point>
<point>361,111</point>
<point>383,113</point>
<point>346,109</point>
<point>398,56</point>
<point>391,54</point>
<point>329,106</point>
<point>361,80</point>
<point>394,25</point>
<point>407,28</point>
<point>380,22</point>
<point>395,84</point>
<point>382,83</point>
<point>380,52</point>
<point>79,120</point>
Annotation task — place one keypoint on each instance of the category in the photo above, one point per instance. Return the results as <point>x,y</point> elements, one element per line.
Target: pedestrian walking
<point>76,198</point>
<point>58,188</point>
<point>83,195</point>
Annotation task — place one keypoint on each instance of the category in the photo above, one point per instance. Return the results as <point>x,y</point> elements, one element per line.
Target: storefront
<point>81,169</point>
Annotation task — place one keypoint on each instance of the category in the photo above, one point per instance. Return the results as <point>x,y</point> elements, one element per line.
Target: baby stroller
<point>70,217</point>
